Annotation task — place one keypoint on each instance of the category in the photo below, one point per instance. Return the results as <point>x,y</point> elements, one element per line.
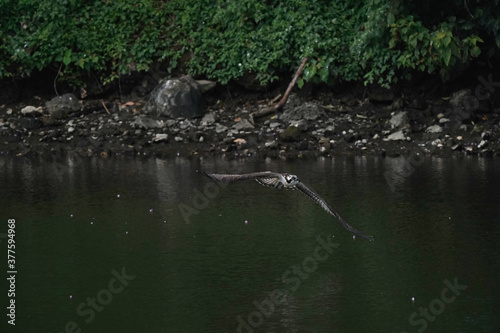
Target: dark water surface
<point>128,245</point>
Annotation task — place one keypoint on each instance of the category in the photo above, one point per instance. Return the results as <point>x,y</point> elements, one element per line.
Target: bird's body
<point>286,181</point>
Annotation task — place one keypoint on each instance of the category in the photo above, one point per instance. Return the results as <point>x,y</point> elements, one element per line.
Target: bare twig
<point>102,101</point>
<point>274,108</point>
<point>55,79</point>
<point>275,99</point>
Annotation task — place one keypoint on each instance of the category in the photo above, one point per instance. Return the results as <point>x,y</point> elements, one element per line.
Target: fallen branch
<point>274,99</point>
<point>102,101</point>
<point>274,108</point>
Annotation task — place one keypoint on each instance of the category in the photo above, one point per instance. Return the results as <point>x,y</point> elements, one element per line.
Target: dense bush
<point>106,37</point>
<point>374,40</point>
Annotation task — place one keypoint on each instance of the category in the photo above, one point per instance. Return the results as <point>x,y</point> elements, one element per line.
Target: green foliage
<point>381,41</point>
<point>252,36</point>
<point>426,50</point>
<point>108,37</point>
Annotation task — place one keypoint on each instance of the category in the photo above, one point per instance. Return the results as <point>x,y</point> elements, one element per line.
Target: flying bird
<point>286,181</point>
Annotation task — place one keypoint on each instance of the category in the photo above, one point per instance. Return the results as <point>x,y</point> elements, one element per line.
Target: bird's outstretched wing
<point>320,201</point>
<point>228,178</point>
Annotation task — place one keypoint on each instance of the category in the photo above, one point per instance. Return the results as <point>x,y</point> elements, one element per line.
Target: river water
<point>131,245</point>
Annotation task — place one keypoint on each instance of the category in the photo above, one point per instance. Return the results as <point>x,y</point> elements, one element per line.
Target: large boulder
<point>60,106</point>
<point>178,97</point>
<point>296,109</point>
<point>461,98</point>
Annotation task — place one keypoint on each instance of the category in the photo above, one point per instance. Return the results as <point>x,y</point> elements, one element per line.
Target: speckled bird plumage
<point>286,181</point>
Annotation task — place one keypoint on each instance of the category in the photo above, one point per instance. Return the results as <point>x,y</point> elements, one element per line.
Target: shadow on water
<point>108,245</point>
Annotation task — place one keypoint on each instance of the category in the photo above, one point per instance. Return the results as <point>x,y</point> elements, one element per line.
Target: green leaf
<point>413,41</point>
<point>475,52</point>
<point>300,83</point>
<point>323,74</point>
<point>446,56</point>
<point>390,19</point>
<point>67,57</point>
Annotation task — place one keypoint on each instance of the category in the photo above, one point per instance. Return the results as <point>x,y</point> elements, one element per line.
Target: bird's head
<point>291,179</point>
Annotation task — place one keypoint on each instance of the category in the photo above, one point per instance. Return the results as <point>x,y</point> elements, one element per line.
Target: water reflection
<point>83,218</point>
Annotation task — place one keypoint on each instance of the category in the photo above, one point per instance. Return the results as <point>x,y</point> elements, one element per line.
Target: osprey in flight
<point>287,181</point>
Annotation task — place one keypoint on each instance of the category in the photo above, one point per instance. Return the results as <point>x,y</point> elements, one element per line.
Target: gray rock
<point>160,137</point>
<point>434,129</point>
<point>208,119</point>
<point>296,109</point>
<point>184,124</point>
<point>31,110</point>
<point>399,120</point>
<point>330,130</point>
<point>243,124</point>
<point>482,144</point>
<point>274,125</point>
<point>174,98</point>
<point>170,122</point>
<point>60,106</point>
<point>458,99</point>
<point>146,123</point>
<point>291,134</point>
<point>397,136</point>
<point>220,128</point>
<point>301,124</point>
<point>307,111</point>
<point>271,145</point>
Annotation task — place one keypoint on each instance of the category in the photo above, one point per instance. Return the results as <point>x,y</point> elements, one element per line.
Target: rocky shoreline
<point>383,123</point>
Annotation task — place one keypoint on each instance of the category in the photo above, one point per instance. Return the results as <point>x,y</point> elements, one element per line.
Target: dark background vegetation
<point>373,41</point>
